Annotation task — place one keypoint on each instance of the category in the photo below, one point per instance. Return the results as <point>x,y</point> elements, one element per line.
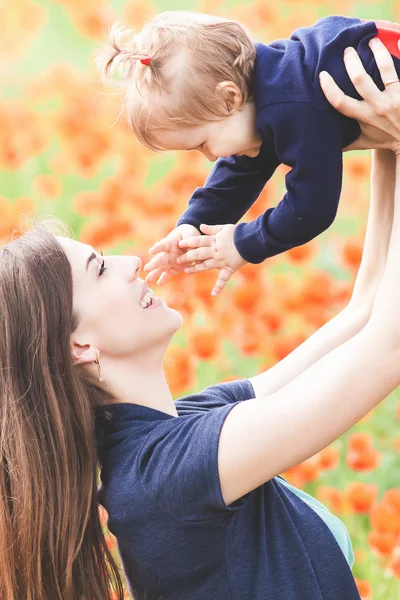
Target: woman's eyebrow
<point>89,260</point>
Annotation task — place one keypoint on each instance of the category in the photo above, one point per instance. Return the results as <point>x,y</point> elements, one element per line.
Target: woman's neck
<point>139,380</point>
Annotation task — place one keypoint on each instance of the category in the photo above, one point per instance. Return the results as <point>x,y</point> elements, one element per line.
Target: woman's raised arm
<point>263,437</point>
<point>356,314</point>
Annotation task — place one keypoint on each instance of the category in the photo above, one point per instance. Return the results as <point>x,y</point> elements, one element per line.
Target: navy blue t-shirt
<point>176,536</point>
<point>300,129</point>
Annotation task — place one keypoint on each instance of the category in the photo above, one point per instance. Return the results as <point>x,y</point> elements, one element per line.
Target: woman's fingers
<point>381,109</point>
<point>363,82</point>
<point>344,104</point>
<point>384,61</point>
<point>390,79</point>
<point>387,103</point>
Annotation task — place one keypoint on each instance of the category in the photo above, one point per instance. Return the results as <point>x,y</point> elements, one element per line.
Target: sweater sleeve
<point>308,139</point>
<point>232,187</point>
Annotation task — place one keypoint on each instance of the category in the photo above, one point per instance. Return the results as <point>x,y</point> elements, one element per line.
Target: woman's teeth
<point>147,299</point>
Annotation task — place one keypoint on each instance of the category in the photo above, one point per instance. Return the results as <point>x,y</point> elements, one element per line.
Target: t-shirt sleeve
<point>216,395</point>
<point>232,391</point>
<point>178,467</point>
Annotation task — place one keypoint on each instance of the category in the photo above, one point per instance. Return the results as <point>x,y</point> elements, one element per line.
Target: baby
<point>198,82</point>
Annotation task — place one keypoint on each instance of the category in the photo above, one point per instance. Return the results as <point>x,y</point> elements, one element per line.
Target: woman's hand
<point>379,112</point>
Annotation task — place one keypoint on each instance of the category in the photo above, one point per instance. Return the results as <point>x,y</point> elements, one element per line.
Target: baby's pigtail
<point>121,53</point>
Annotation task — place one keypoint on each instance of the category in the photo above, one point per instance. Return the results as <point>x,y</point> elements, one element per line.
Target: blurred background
<point>62,152</point>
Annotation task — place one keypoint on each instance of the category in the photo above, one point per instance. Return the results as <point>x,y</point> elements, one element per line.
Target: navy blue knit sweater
<point>300,129</point>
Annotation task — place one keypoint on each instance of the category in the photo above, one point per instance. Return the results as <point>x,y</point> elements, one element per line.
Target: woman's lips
<point>144,290</point>
<point>154,304</point>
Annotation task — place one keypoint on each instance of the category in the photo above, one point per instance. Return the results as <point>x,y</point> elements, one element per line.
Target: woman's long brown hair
<point>52,546</point>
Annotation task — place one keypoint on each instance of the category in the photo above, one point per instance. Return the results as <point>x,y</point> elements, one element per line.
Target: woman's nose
<point>137,265</point>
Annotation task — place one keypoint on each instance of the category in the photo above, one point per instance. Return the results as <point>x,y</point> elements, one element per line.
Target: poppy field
<point>64,152</point>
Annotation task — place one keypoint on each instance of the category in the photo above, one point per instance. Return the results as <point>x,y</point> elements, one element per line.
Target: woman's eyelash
<point>102,268</point>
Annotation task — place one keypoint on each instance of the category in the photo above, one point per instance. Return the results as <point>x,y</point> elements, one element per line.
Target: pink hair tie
<point>146,61</point>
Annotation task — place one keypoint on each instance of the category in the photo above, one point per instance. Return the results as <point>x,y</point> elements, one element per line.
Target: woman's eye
<point>102,269</point>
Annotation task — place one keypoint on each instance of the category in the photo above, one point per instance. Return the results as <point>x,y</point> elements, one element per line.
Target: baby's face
<point>234,135</point>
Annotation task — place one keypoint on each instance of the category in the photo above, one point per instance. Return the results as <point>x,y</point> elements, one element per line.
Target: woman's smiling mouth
<point>148,298</point>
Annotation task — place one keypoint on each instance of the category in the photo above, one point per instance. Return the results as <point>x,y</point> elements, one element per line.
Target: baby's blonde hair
<point>190,54</point>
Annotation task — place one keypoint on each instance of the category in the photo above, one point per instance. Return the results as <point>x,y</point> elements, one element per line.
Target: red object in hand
<point>146,61</point>
<point>389,34</point>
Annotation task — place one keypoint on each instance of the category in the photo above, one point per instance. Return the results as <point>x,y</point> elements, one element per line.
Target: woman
<point>191,487</point>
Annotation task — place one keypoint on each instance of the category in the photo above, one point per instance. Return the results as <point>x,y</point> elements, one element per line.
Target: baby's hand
<point>216,250</point>
<point>164,265</point>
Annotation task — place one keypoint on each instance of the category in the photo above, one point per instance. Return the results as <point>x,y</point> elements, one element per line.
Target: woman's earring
<point>97,363</point>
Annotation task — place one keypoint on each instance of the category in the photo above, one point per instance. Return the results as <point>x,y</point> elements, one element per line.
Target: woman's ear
<point>231,94</point>
<point>83,353</point>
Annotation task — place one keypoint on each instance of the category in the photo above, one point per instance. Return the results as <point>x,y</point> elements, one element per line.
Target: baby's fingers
<point>211,229</point>
<point>196,241</point>
<point>223,278</point>
<point>166,275</point>
<point>198,254</point>
<point>163,245</point>
<point>161,260</point>
<point>205,265</point>
<point>154,274</point>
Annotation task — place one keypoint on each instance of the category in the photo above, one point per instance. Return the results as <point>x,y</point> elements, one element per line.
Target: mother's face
<point>114,317</point>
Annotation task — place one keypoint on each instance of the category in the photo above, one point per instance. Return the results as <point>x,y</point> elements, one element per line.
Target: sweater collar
<point>267,74</point>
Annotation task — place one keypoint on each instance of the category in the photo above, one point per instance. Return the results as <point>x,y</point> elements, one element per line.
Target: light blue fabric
<point>335,525</point>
